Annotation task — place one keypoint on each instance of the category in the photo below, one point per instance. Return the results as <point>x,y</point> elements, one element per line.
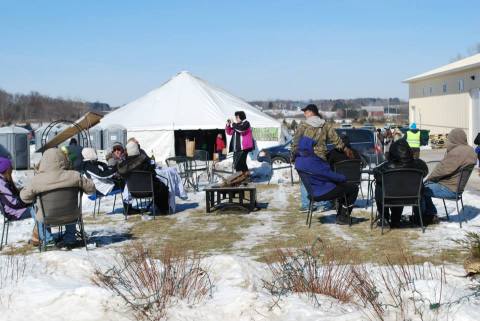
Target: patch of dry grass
<point>198,232</point>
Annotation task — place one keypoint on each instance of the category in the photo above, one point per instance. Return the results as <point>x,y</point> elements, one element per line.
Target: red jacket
<point>219,145</point>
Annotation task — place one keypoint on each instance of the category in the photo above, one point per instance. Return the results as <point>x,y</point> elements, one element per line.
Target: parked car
<point>363,140</point>
<point>278,154</point>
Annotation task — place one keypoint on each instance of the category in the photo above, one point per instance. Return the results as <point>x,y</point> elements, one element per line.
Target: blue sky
<point>115,51</point>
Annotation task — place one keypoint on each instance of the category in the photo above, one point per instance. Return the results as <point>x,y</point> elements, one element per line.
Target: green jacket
<point>320,131</point>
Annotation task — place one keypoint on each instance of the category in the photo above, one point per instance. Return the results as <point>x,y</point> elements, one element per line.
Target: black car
<point>362,140</point>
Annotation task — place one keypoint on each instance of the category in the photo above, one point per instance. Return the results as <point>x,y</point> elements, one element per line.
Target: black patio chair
<point>140,186</point>
<point>464,175</point>
<point>305,178</point>
<point>401,187</point>
<point>60,207</point>
<point>6,226</point>
<point>352,170</point>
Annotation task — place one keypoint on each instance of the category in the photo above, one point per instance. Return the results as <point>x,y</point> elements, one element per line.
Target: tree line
<point>35,107</point>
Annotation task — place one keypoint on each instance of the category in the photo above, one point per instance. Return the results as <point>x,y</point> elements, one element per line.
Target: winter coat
<point>100,174</point>
<point>334,156</point>
<point>322,178</point>
<point>401,156</point>
<point>219,145</point>
<point>13,206</point>
<point>139,162</point>
<point>320,132</point>
<point>52,175</point>
<point>242,138</point>
<point>458,154</point>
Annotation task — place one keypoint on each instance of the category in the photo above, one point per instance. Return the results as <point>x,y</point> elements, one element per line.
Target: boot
<point>35,240</point>
<point>131,210</point>
<point>342,216</point>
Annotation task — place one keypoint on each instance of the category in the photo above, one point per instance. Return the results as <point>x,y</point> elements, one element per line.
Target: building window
<point>461,85</point>
<point>424,90</point>
<point>430,91</point>
<point>445,88</point>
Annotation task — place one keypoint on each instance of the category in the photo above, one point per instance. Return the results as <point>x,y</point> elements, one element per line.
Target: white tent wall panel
<point>160,142</point>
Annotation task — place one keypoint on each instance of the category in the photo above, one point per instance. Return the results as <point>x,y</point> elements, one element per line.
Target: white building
<point>447,97</point>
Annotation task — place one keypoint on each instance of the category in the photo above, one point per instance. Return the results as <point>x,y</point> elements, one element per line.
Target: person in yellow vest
<point>413,140</point>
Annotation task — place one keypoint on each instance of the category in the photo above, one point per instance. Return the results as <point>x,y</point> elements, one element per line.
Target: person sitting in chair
<point>442,182</point>
<point>116,156</point>
<point>103,176</point>
<point>13,206</point>
<point>52,174</point>
<point>138,161</point>
<point>401,156</point>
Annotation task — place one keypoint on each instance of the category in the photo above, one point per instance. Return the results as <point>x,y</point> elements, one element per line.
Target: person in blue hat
<point>413,140</point>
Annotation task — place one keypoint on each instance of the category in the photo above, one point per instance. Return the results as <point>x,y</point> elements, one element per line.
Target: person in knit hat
<point>116,155</point>
<point>13,206</point>
<point>139,161</point>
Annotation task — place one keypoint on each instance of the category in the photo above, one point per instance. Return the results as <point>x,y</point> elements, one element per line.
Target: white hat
<point>89,154</point>
<point>132,149</point>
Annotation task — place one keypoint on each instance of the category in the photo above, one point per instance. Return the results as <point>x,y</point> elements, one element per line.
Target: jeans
<point>305,202</point>
<point>48,237</point>
<point>68,237</point>
<point>436,190</point>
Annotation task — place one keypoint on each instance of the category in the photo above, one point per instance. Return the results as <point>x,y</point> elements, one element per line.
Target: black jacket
<point>400,157</point>
<point>98,169</point>
<point>139,162</point>
<point>334,156</point>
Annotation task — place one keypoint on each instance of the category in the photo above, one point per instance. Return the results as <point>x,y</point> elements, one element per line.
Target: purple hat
<point>5,164</point>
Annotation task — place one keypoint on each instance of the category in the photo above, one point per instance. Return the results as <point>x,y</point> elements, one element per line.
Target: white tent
<point>186,102</point>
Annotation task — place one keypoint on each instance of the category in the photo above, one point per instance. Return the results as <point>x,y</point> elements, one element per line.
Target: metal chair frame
<point>185,166</point>
<point>6,225</point>
<point>147,192</point>
<point>270,161</point>
<point>409,200</point>
<point>77,220</point>
<point>465,173</point>
<point>202,156</point>
<point>98,199</point>
<point>304,177</point>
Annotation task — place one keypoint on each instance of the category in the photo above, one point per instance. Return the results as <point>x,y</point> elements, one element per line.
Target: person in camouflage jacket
<point>309,150</point>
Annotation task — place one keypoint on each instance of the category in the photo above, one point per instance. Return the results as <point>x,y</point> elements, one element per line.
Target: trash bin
<point>424,137</point>
<point>15,145</point>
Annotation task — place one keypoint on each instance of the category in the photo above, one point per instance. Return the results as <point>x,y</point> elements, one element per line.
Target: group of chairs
<point>191,168</point>
<point>400,187</point>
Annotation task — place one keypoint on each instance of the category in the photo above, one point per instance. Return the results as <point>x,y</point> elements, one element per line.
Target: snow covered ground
<point>57,285</point>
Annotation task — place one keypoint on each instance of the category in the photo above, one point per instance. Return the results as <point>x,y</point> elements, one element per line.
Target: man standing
<point>413,140</point>
<point>315,131</point>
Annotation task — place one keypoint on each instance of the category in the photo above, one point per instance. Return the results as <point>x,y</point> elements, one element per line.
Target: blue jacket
<point>323,179</point>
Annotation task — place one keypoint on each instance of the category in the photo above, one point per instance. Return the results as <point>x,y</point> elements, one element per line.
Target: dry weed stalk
<point>322,270</point>
<point>148,286</point>
<point>12,271</point>
<point>401,294</point>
